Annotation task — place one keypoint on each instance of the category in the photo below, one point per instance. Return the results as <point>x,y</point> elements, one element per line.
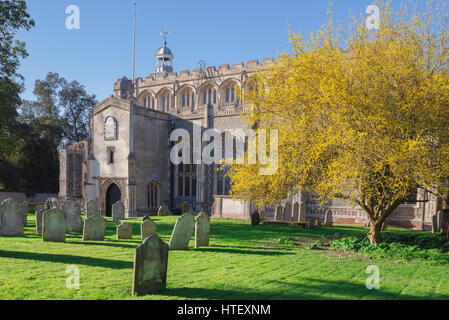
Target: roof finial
<point>164,34</point>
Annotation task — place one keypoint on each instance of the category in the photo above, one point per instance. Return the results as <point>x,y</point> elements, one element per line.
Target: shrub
<point>315,245</point>
<point>287,242</point>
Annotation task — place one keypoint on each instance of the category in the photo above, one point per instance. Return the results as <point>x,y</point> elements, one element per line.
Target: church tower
<point>164,56</point>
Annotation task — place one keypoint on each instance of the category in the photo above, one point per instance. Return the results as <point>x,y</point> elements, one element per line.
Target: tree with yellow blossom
<point>362,115</point>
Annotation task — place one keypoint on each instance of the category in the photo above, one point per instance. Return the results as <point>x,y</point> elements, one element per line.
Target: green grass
<point>243,262</point>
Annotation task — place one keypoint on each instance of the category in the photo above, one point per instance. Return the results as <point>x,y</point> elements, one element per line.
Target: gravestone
<point>439,220</point>
<point>118,211</point>
<point>11,218</point>
<point>150,266</point>
<point>147,229</point>
<point>39,214</point>
<point>124,231</point>
<point>278,214</point>
<point>302,212</point>
<point>54,225</point>
<point>295,215</point>
<point>182,232</point>
<point>92,209</point>
<point>145,218</point>
<point>164,211</point>
<point>94,228</point>
<point>328,221</point>
<point>185,207</point>
<point>262,215</point>
<point>72,210</point>
<point>434,223</point>
<point>53,203</point>
<point>255,218</point>
<point>202,230</point>
<point>287,212</point>
<point>25,213</point>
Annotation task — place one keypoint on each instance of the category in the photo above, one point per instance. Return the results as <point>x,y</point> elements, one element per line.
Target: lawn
<point>242,262</point>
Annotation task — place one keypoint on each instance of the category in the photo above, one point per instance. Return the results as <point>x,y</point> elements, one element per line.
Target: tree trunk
<point>374,235</point>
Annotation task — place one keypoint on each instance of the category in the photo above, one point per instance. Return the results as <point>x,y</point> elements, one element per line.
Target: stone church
<point>127,154</point>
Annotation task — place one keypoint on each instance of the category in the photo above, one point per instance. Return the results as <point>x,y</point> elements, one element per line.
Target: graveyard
<point>242,262</point>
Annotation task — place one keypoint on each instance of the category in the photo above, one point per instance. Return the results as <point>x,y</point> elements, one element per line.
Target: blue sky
<point>217,32</point>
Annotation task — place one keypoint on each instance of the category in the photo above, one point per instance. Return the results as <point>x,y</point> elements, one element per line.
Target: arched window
<point>147,100</point>
<point>230,93</point>
<point>187,98</point>
<point>165,101</point>
<point>187,179</point>
<point>153,195</point>
<point>209,95</point>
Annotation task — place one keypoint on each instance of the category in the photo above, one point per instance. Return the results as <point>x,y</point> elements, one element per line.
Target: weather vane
<point>164,34</point>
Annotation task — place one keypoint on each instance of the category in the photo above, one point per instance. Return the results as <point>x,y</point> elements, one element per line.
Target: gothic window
<point>187,179</point>
<point>166,101</point>
<point>230,93</point>
<point>110,129</point>
<point>222,181</point>
<point>153,195</point>
<point>209,95</point>
<point>187,98</point>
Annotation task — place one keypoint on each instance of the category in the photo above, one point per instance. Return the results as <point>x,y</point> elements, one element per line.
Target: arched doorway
<point>113,195</point>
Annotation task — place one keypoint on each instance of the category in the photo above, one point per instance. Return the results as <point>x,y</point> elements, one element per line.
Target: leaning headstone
<point>328,221</point>
<point>118,211</point>
<point>185,207</point>
<point>255,218</point>
<point>182,232</point>
<point>39,216</point>
<point>164,211</point>
<point>202,230</point>
<point>434,223</point>
<point>124,231</point>
<point>147,229</point>
<point>94,229</point>
<point>91,209</point>
<point>54,225</point>
<point>11,217</point>
<point>72,210</point>
<point>278,213</point>
<point>150,266</point>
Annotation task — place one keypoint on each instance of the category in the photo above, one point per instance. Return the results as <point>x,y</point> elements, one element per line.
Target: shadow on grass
<point>248,251</point>
<point>68,259</point>
<point>308,289</point>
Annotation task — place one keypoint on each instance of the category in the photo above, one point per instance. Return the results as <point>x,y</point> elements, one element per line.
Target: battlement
<point>211,71</point>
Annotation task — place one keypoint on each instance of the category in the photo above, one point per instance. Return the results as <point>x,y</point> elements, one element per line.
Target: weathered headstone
<point>72,210</point>
<point>278,213</point>
<point>202,230</point>
<point>94,228</point>
<point>54,225</point>
<point>182,232</point>
<point>255,218</point>
<point>434,223</point>
<point>328,221</point>
<point>11,217</point>
<point>185,207</point>
<point>124,231</point>
<point>39,214</point>
<point>147,229</point>
<point>150,266</point>
<point>118,211</point>
<point>164,211</point>
<point>53,203</point>
<point>287,212</point>
<point>295,215</point>
<point>145,218</point>
<point>92,209</point>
